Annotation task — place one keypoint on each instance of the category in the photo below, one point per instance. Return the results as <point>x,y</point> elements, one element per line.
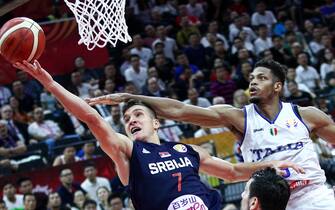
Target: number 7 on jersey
<point>179,180</point>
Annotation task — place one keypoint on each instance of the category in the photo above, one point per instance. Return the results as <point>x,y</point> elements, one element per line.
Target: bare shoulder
<point>235,116</point>
<point>314,117</point>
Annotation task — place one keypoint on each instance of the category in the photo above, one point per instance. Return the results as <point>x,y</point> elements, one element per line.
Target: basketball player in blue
<point>268,128</point>
<point>160,177</point>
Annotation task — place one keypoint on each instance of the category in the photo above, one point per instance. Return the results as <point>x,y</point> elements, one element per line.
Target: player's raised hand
<point>110,99</point>
<point>35,70</point>
<point>281,167</point>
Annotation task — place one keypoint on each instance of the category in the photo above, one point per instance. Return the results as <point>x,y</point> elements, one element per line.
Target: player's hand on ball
<point>111,99</point>
<point>281,167</point>
<point>35,70</point>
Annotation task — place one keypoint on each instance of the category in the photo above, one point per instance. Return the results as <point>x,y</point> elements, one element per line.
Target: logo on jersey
<point>291,123</point>
<point>145,151</point>
<point>187,202</point>
<point>258,130</point>
<point>274,131</point>
<point>180,148</point>
<point>164,154</point>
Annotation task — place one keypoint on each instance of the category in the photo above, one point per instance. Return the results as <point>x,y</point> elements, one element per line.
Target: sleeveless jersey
<point>284,138</point>
<point>165,177</point>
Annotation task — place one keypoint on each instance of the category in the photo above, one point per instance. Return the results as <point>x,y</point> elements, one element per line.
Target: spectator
<point>25,185</point>
<point>89,205</point>
<point>195,52</point>
<point>169,131</point>
<point>136,74</point>
<point>277,49</point>
<point>223,86</point>
<point>29,201</point>
<point>55,202</point>
<point>152,88</point>
<point>327,66</point>
<point>242,80</point>
<point>307,74</point>
<point>186,30</point>
<point>297,96</point>
<point>5,94</point>
<point>18,114</point>
<point>144,53</point>
<point>102,109</point>
<point>103,193</point>
<point>42,130</point>
<point>93,182</point>
<point>3,205</point>
<point>111,73</point>
<point>48,101</point>
<point>115,120</point>
<point>14,128</point>
<point>115,201</point>
<point>11,199</point>
<point>170,45</point>
<point>67,188</point>
<point>152,72</point>
<point>316,45</point>
<point>68,156</point>
<point>163,65</point>
<point>291,75</point>
<point>263,16</point>
<point>237,26</point>
<point>195,9</point>
<point>194,99</point>
<point>10,144</point>
<point>78,200</point>
<point>88,151</point>
<point>263,42</point>
<point>150,35</point>
<point>31,87</point>
<point>26,102</point>
<point>213,28</point>
<point>88,76</point>
<point>78,86</point>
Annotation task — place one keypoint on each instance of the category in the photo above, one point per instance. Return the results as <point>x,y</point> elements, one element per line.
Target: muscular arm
<point>214,116</point>
<point>319,122</point>
<point>117,146</point>
<point>237,172</point>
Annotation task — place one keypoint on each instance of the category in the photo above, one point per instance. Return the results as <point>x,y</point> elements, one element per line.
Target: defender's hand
<point>281,167</point>
<point>111,99</point>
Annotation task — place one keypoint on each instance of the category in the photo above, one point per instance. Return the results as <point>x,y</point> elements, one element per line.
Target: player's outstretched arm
<point>241,171</point>
<point>214,116</point>
<point>117,146</point>
<point>319,122</point>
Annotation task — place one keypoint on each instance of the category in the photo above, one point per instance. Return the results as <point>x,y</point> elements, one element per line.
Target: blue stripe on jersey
<point>159,174</point>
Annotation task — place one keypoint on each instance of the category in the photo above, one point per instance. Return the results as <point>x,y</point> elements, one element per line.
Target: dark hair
<point>2,201</point>
<point>90,165</point>
<point>272,190</point>
<point>132,102</point>
<point>63,169</point>
<point>278,70</point>
<point>22,179</point>
<point>28,194</point>
<point>88,202</point>
<point>114,195</point>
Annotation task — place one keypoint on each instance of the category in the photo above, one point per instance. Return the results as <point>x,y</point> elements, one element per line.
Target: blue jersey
<point>165,177</point>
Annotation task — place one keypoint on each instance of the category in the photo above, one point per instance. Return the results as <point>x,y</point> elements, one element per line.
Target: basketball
<point>21,39</point>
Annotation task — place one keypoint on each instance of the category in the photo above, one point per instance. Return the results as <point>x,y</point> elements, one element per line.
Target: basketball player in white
<point>269,129</point>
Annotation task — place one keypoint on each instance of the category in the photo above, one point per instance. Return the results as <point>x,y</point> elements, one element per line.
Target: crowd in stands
<point>199,52</point>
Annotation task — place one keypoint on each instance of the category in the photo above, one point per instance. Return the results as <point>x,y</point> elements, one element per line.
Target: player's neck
<point>270,109</point>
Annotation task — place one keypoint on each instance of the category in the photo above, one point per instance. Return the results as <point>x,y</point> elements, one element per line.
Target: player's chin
<point>254,99</point>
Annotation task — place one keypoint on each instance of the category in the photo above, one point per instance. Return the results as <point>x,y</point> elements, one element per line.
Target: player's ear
<point>253,203</point>
<point>278,86</point>
<point>156,123</point>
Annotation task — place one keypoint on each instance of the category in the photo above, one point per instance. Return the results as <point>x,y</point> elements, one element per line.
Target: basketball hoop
<point>100,22</point>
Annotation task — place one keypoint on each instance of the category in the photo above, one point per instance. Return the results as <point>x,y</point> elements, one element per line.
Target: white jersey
<point>284,138</point>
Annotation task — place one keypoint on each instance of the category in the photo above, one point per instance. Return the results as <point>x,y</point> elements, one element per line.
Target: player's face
<point>262,86</point>
<point>245,197</point>
<point>139,123</point>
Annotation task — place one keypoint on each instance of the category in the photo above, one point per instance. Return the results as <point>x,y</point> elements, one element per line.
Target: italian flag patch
<point>273,131</point>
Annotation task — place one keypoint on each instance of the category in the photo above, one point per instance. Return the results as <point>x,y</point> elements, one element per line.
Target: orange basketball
<point>21,39</point>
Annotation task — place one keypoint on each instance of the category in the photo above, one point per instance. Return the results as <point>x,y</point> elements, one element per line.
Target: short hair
<point>89,165</point>
<point>114,195</point>
<point>88,202</point>
<point>28,194</point>
<point>22,179</point>
<point>63,169</point>
<point>272,190</point>
<point>278,70</point>
<point>133,102</point>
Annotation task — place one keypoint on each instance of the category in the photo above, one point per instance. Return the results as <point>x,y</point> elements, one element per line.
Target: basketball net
<point>100,22</point>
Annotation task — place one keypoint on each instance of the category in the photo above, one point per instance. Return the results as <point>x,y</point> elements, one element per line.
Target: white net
<point>100,21</point>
